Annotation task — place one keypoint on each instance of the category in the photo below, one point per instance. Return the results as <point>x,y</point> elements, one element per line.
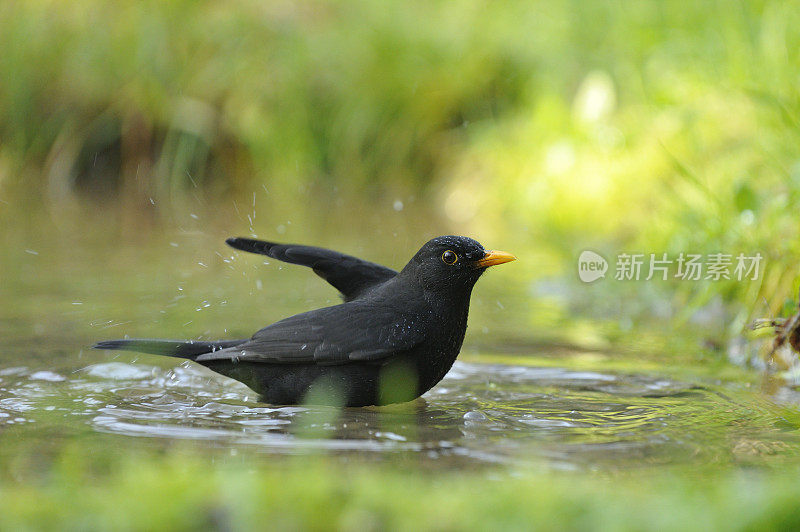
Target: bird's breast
<point>438,353</point>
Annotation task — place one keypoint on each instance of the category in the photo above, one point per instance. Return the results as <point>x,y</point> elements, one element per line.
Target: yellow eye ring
<point>449,257</point>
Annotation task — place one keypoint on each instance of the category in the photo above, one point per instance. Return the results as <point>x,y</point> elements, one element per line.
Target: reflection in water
<point>480,413</point>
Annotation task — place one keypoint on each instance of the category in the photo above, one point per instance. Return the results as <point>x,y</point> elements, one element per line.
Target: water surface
<point>482,413</point>
<point>540,407</point>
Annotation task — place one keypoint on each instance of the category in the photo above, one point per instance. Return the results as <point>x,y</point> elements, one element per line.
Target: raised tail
<point>172,348</point>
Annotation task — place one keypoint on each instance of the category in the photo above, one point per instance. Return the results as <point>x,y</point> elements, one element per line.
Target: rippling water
<point>481,413</point>
<point>487,412</point>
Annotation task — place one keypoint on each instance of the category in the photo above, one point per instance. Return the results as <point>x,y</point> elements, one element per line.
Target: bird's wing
<point>334,335</point>
<point>350,275</point>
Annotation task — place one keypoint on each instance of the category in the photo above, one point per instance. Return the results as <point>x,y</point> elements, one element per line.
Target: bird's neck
<point>448,301</point>
<point>451,305</point>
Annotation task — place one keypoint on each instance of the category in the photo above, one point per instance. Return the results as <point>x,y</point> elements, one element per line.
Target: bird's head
<point>448,263</point>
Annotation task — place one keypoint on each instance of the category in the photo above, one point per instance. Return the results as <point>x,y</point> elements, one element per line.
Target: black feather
<point>171,348</point>
<point>353,277</point>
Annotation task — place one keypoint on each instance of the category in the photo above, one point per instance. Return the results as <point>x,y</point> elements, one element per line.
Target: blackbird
<point>392,339</point>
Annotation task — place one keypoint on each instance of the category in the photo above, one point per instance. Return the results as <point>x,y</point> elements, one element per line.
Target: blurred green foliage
<point>185,491</point>
<point>550,127</point>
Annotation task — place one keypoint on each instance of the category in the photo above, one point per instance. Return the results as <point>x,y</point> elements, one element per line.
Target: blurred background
<point>135,136</point>
<point>544,128</point>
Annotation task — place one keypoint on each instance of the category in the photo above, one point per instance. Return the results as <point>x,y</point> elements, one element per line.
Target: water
<point>482,413</point>
<point>556,409</point>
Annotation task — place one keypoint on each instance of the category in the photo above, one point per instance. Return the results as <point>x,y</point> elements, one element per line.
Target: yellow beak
<point>494,257</point>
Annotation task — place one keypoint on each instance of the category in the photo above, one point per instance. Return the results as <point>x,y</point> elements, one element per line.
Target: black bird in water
<point>395,336</point>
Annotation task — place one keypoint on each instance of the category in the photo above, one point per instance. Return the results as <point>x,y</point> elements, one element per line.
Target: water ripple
<point>481,413</point>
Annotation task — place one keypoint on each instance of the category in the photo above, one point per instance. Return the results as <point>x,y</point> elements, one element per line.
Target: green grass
<point>186,491</point>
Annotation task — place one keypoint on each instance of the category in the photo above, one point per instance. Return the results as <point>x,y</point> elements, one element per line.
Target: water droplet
<point>475,415</point>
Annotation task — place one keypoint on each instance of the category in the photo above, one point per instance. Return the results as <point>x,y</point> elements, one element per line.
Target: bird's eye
<point>449,257</point>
